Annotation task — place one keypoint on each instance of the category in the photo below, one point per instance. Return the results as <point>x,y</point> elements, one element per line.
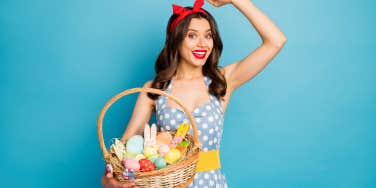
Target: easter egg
<point>184,143</point>
<point>182,149</point>
<point>175,141</point>
<point>182,146</point>
<point>160,163</point>
<point>163,149</point>
<point>164,138</point>
<point>130,155</point>
<point>146,165</point>
<point>172,156</point>
<point>151,151</point>
<point>152,159</point>
<point>139,156</point>
<point>131,164</point>
<point>135,144</point>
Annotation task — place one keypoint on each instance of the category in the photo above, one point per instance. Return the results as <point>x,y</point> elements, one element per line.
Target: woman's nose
<point>201,42</point>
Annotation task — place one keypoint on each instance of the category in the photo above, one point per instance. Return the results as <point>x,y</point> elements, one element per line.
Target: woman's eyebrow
<point>197,30</point>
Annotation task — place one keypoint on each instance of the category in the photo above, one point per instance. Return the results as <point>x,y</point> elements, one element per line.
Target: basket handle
<point>135,90</point>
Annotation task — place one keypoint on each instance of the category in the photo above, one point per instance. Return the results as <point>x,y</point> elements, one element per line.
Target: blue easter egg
<point>135,144</point>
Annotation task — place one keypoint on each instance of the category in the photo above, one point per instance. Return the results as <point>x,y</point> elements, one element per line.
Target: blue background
<point>307,120</point>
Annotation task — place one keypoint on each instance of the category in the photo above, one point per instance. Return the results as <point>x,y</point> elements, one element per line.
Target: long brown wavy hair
<point>167,62</point>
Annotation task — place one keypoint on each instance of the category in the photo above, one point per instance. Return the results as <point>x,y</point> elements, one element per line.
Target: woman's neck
<point>188,75</point>
<point>185,72</point>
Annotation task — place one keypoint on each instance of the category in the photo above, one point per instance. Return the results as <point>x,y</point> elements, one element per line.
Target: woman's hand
<point>108,181</point>
<point>218,3</point>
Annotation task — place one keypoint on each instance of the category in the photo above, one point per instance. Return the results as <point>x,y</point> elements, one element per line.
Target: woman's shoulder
<point>148,83</point>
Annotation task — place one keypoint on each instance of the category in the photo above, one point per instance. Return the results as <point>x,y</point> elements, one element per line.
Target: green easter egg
<point>183,143</point>
<point>130,155</point>
<point>152,159</point>
<point>160,163</point>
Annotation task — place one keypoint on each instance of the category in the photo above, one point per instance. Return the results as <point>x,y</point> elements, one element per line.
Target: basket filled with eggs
<point>154,159</point>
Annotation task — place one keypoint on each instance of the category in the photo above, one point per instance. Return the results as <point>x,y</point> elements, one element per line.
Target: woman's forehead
<point>199,24</point>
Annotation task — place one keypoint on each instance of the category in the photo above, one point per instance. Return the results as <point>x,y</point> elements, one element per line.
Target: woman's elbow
<point>277,43</point>
<point>281,42</point>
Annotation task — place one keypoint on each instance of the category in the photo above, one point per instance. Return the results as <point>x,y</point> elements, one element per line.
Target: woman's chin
<point>198,63</point>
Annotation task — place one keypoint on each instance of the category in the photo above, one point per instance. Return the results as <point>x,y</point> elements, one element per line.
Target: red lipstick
<point>199,54</point>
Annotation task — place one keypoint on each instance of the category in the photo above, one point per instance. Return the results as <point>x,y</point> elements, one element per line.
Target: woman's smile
<point>200,54</point>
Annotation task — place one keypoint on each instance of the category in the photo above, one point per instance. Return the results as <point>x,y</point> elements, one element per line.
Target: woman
<point>187,68</point>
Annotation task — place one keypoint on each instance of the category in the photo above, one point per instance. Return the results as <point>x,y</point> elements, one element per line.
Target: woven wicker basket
<point>180,174</point>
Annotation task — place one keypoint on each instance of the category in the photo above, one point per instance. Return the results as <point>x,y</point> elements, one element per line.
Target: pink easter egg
<point>163,149</point>
<point>131,164</point>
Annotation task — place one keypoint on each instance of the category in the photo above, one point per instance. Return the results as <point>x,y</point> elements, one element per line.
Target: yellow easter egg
<point>151,152</point>
<point>139,156</point>
<point>172,156</point>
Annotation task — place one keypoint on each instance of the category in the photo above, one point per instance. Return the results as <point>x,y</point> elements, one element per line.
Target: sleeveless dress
<point>209,120</point>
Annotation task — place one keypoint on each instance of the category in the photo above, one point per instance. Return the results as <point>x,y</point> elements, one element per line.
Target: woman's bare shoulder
<point>148,83</point>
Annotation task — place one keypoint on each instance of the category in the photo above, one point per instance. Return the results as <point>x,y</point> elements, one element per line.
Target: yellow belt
<point>208,160</point>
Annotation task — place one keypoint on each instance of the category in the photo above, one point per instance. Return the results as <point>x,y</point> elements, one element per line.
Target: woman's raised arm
<point>273,39</point>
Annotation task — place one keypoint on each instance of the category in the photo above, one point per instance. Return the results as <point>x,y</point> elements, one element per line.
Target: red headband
<point>182,12</point>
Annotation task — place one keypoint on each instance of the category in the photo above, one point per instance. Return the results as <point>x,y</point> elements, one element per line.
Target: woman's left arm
<point>273,40</point>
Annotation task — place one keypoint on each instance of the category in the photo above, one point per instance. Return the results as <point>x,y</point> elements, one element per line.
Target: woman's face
<point>197,44</point>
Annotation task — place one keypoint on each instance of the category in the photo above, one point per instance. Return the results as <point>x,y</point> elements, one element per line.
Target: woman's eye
<point>209,36</point>
<point>191,36</point>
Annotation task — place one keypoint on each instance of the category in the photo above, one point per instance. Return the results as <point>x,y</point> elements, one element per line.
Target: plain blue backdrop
<point>308,120</point>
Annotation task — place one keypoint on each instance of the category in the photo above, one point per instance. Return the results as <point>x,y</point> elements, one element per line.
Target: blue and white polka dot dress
<point>209,119</point>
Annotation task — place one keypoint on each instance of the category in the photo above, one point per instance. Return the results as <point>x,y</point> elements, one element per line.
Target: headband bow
<point>182,12</point>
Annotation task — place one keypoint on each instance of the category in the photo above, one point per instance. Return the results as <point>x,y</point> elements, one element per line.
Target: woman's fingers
<point>219,3</point>
<point>110,182</point>
<point>109,175</point>
<point>113,183</point>
<point>128,184</point>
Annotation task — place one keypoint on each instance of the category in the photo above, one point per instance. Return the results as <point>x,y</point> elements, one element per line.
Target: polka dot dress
<point>209,120</point>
